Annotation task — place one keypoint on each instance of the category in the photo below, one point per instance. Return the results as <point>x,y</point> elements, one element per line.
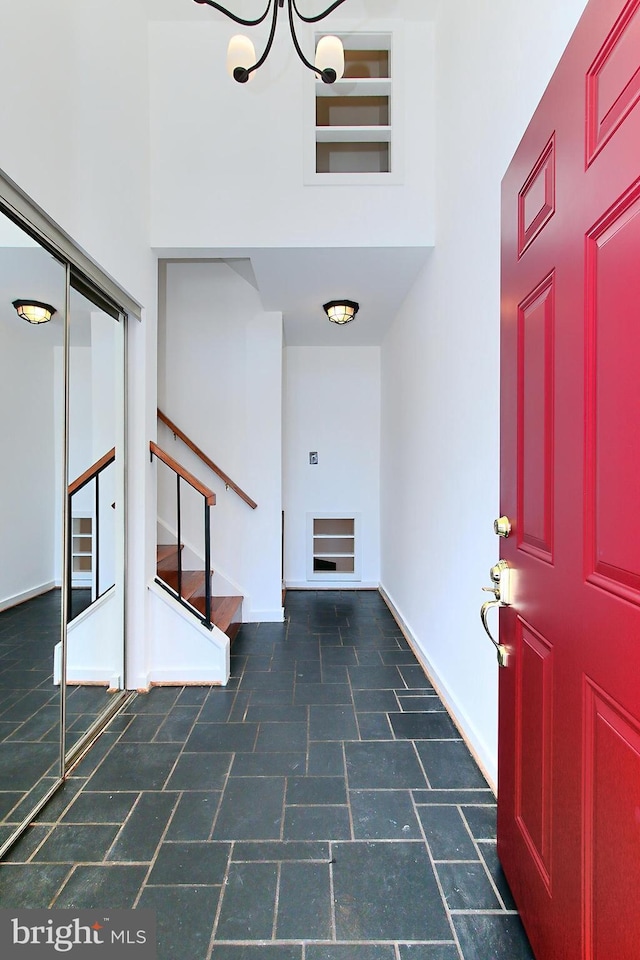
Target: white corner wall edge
<point>484,757</point>
<point>13,601</point>
<point>180,649</point>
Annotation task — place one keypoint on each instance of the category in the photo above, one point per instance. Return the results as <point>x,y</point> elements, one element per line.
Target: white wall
<point>182,650</point>
<point>440,372</point>
<point>228,160</point>
<point>30,472</point>
<point>332,406</point>
<point>220,381</point>
<point>89,106</point>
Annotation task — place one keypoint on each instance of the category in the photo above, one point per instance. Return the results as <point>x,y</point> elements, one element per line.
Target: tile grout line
<point>475,842</point>
<point>229,768</point>
<point>437,879</point>
<point>62,886</point>
<point>156,853</point>
<point>421,764</point>
<point>332,895</point>
<point>223,889</point>
<point>276,905</point>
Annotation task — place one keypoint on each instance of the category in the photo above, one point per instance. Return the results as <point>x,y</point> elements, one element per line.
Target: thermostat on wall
<point>313,456</point>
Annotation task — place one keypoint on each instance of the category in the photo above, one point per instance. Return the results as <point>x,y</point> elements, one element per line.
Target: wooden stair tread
<point>227,610</point>
<point>165,550</point>
<point>192,581</point>
<point>167,554</point>
<point>223,609</point>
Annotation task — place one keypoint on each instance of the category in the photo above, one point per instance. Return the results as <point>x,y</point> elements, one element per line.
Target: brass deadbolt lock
<point>502,527</point>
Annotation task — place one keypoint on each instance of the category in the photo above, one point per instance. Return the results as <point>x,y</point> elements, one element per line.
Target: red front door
<point>569,747</point>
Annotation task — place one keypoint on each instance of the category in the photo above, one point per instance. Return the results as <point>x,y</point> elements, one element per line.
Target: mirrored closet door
<point>62,534</point>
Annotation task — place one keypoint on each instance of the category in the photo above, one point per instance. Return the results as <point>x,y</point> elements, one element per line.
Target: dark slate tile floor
<point>320,807</point>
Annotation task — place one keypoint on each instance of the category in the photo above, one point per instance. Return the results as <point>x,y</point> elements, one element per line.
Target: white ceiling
<point>297,281</point>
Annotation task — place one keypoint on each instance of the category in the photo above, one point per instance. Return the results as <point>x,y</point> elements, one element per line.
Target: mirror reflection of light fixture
<point>34,311</point>
<point>341,311</point>
<point>241,57</point>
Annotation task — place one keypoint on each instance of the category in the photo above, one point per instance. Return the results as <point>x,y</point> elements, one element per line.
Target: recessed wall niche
<point>333,548</point>
<point>354,114</point>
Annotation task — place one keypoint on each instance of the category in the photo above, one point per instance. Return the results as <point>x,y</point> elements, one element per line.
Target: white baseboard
<point>171,678</point>
<point>17,598</point>
<point>331,585</point>
<point>483,757</point>
<point>263,616</point>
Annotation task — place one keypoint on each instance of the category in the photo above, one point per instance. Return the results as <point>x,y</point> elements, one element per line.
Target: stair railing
<point>228,482</point>
<point>91,474</point>
<point>209,500</point>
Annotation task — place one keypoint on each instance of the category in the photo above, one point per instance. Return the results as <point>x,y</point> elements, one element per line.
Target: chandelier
<point>241,55</point>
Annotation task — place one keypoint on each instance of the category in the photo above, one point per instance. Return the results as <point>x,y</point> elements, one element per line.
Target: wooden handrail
<point>91,472</point>
<point>205,459</point>
<point>208,494</point>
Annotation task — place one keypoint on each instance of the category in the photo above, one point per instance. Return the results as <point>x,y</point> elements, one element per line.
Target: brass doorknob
<point>502,527</point>
<point>501,651</point>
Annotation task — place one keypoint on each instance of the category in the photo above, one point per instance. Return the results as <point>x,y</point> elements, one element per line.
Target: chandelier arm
<point>234,16</point>
<point>319,16</point>
<point>291,4</point>
<point>272,33</point>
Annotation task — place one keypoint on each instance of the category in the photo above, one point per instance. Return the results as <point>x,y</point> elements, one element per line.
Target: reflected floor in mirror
<point>30,704</point>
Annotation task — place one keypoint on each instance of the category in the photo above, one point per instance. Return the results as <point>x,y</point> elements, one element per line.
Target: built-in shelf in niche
<point>333,547</point>
<point>81,551</point>
<point>353,115</point>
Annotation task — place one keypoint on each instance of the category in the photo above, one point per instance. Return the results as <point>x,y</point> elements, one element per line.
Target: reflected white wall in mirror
<point>31,444</point>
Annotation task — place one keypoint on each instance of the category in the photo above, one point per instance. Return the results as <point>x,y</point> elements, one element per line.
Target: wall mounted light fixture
<point>241,54</point>
<point>341,311</point>
<point>34,311</point>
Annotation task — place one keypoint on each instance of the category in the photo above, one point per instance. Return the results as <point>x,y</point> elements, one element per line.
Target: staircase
<point>225,611</point>
<point>200,590</point>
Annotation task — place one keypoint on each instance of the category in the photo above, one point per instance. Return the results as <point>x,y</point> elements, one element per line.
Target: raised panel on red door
<point>569,739</point>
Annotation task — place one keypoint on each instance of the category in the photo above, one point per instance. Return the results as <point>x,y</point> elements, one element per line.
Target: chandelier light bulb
<point>330,56</point>
<point>241,55</point>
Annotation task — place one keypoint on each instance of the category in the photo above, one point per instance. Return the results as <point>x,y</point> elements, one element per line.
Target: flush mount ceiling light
<point>34,311</point>
<point>241,54</point>
<point>341,311</point>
